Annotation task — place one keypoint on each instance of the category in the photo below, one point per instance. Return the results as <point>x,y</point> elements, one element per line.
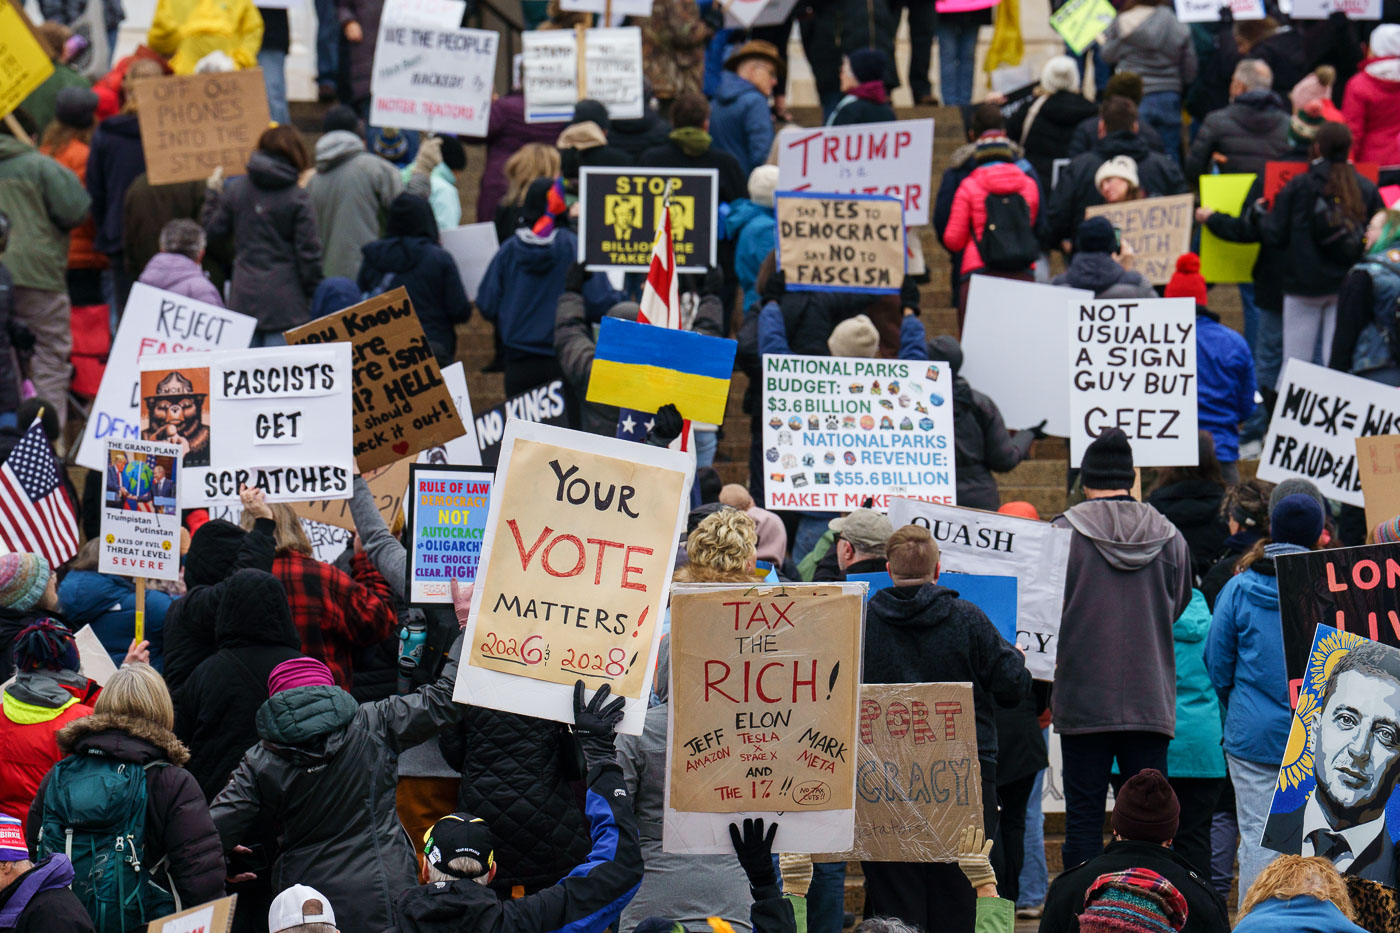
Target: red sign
<point>1278,174</point>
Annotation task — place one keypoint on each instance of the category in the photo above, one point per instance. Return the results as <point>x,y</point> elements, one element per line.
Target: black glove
<point>1038,430</point>
<point>714,283</point>
<point>667,427</point>
<point>755,851</point>
<point>909,294</point>
<point>595,722</point>
<point>575,277</point>
<point>774,287</point>
<point>22,338</point>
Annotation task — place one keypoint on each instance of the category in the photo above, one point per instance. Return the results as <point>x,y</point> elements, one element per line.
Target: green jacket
<point>42,101</point>
<point>44,201</point>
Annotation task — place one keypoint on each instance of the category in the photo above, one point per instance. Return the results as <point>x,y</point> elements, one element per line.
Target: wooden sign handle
<point>16,130</point>
<point>140,632</point>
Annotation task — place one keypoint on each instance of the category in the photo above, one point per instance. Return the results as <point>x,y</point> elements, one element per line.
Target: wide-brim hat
<point>175,385</point>
<point>757,48</point>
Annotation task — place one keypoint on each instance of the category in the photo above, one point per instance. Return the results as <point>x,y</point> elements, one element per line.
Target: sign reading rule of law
<point>620,210</point>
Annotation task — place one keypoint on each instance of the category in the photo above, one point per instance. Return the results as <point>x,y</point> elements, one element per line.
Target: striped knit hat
<point>1303,126</point>
<point>46,645</point>
<point>23,578</point>
<point>1388,532</point>
<point>1132,901</point>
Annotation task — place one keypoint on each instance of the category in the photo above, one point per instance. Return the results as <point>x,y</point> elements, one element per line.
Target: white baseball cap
<point>287,909</point>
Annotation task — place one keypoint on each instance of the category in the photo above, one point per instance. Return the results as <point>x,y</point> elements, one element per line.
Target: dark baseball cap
<point>459,835</point>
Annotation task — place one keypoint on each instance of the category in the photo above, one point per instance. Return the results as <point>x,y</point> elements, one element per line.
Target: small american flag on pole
<point>35,514</point>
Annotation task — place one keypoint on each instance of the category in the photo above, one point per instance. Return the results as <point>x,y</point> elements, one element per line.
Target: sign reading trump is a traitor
<point>871,158</point>
<point>840,243</point>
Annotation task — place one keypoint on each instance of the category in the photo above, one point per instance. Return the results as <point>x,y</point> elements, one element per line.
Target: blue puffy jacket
<point>108,604</point>
<point>1195,752</point>
<point>521,289</point>
<point>1244,654</point>
<point>1298,914</point>
<point>1225,383</point>
<point>754,232</point>
<point>740,122</point>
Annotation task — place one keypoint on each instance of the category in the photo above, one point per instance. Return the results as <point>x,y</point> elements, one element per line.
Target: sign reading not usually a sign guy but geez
<point>621,209</point>
<point>193,124</point>
<point>841,243</point>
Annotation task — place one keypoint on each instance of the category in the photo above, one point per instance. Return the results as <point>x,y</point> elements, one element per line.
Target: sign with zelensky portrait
<point>620,210</point>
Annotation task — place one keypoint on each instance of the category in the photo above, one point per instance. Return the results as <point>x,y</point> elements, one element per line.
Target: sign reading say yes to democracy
<point>840,243</point>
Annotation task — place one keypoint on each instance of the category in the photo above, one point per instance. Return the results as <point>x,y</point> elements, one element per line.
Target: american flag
<point>35,514</point>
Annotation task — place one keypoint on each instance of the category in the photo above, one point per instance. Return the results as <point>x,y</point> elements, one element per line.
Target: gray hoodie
<point>350,192</point>
<point>1150,42</point>
<point>1128,581</point>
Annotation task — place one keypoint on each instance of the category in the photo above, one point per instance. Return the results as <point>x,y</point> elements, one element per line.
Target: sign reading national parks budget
<point>841,243</point>
<point>621,209</point>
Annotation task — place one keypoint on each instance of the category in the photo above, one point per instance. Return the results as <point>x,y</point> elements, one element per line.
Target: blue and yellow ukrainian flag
<point>643,366</point>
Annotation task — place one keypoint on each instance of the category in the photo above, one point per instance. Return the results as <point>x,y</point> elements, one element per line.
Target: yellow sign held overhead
<point>24,63</point>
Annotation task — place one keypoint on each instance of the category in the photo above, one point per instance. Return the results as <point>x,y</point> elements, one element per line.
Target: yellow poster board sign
<point>1080,22</point>
<point>24,64</point>
<point>1221,260</point>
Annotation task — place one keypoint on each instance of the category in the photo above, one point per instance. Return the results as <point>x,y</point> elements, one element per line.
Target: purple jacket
<point>175,272</point>
<point>506,133</point>
<point>39,899</point>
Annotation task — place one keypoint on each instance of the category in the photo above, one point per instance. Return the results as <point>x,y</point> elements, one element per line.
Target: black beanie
<point>213,549</point>
<point>588,110</point>
<point>341,117</point>
<point>1096,235</point>
<point>1146,808</point>
<point>867,65</point>
<point>1108,463</point>
<point>945,347</point>
<point>410,215</point>
<point>453,155</point>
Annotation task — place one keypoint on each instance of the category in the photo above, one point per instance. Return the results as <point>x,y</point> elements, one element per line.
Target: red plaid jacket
<point>334,613</point>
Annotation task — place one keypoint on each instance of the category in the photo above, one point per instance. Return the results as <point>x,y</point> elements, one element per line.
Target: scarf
<point>873,91</point>
<point>691,140</point>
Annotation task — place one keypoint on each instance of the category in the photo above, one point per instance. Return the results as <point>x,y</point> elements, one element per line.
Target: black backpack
<point>1340,238</point>
<point>1008,243</point>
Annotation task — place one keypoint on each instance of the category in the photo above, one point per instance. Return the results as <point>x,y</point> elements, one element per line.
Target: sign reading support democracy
<point>621,209</point>
<point>1134,367</point>
<point>918,780</point>
<point>402,405</point>
<point>153,322</point>
<point>841,243</point>
<point>193,124</point>
<point>277,418</point>
<point>839,430</point>
<point>1158,230</point>
<point>1319,414</point>
<point>544,404</point>
<point>446,516</point>
<point>611,72</point>
<point>581,539</point>
<point>872,158</point>
<point>140,510</point>
<point>434,79</point>
<point>762,713</point>
<point>27,64</point>
<point>1035,553</point>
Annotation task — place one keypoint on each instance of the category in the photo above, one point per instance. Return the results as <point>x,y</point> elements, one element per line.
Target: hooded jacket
<point>740,122</point>
<point>1128,580</point>
<point>277,265</point>
<point>1371,106</point>
<point>1076,191</point>
<point>1149,41</point>
<point>44,201</point>
<point>178,273</point>
<point>1251,131</point>
<point>866,103</point>
<point>1086,136</point>
<point>1195,752</point>
<point>1193,506</point>
<point>1101,274</point>
<point>1205,908</point>
<point>521,289</point>
<point>1289,227</point>
<point>1244,655</point>
<point>254,633</point>
<point>350,193</point>
<point>34,708</point>
<point>178,828</point>
<point>926,634</point>
<point>1302,913</point>
<point>325,772</point>
<point>637,136</point>
<point>114,160</point>
<point>968,220</point>
<point>1224,383</point>
<point>754,230</point>
<point>961,164</point>
<point>108,604</point>
<point>1049,135</point>
<point>39,901</point>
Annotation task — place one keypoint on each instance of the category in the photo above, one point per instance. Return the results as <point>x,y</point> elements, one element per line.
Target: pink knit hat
<point>299,672</point>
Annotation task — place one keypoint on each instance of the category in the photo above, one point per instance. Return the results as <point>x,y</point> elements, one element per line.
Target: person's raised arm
<point>384,550</point>
<point>994,914</point>
<point>405,721</point>
<point>771,913</point>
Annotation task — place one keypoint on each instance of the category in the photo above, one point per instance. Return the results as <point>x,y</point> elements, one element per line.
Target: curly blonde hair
<point>1290,876</point>
<point>721,549</point>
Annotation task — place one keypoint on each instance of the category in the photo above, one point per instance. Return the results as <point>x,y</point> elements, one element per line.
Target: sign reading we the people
<point>140,510</point>
<point>1157,230</point>
<point>621,209</point>
<point>572,581</point>
<point>841,243</point>
<point>437,79</point>
<point>193,124</point>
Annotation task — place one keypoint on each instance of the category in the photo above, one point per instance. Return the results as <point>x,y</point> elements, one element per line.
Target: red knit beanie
<point>1187,281</point>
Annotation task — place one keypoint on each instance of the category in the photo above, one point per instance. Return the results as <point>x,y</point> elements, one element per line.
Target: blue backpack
<point>94,811</point>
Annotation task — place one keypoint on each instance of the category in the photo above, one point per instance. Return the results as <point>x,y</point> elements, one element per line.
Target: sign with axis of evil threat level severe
<point>620,210</point>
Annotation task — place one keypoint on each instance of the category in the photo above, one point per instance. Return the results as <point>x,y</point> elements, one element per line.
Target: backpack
<point>1008,243</point>
<point>94,811</point>
<point>1340,238</point>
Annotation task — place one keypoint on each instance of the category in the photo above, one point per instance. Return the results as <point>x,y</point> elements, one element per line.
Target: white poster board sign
<point>612,73</point>
<point>437,79</point>
<point>1319,414</point>
<point>1321,9</point>
<point>837,430</point>
<point>154,321</point>
<point>1133,366</point>
<point>95,662</point>
<point>464,450</point>
<point>746,14</point>
<point>612,63</point>
<point>549,75</point>
<point>617,7</point>
<point>1007,340</point>
<point>1208,11</point>
<point>435,14</point>
<point>1035,553</point>
<point>873,158</point>
<point>279,418</point>
<point>472,247</point>
<point>141,510</point>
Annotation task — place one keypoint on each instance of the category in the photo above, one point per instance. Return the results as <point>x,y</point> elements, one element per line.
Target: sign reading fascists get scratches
<point>841,243</point>
<point>193,124</point>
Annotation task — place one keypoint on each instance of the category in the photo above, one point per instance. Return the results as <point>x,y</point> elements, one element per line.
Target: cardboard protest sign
<point>277,418</point>
<point>27,64</point>
<point>762,712</point>
<point>839,430</point>
<point>581,539</point>
<point>971,541</point>
<point>841,243</point>
<point>611,72</point>
<point>1278,174</point>
<point>1321,9</point>
<point>544,404</point>
<point>1378,461</point>
<point>643,367</point>
<point>1080,22</point>
<point>1133,366</point>
<point>1009,327</point>
<point>1157,229</point>
<point>1319,414</point>
<point>141,510</point>
<point>464,450</point>
<point>472,247</point>
<point>387,484</point>
<point>446,517</point>
<point>1221,260</point>
<point>1339,773</point>
<point>153,322</point>
<point>918,780</point>
<point>746,14</point>
<point>401,402</point>
<point>872,158</point>
<point>213,917</point>
<point>621,209</point>
<point>193,124</point>
<point>437,79</point>
<point>1208,11</point>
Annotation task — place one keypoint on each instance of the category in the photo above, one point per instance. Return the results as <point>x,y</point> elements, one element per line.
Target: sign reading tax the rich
<point>621,209</point>
<point>844,243</point>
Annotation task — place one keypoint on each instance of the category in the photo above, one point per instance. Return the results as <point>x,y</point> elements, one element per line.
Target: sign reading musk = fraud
<point>621,209</point>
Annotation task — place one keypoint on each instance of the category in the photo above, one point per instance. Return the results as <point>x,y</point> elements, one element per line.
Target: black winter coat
<point>114,160</point>
<point>1268,269</point>
<point>1021,749</point>
<point>54,908</point>
<point>1086,136</point>
<point>178,827</point>
<point>254,632</point>
<point>1251,132</point>
<point>1206,912</point>
<point>515,776</point>
<point>1052,130</point>
<point>982,445</point>
<point>1193,506</point>
<point>859,110</point>
<point>429,274</point>
<point>635,137</point>
<point>1076,191</point>
<point>926,634</point>
<point>1289,227</point>
<point>732,183</point>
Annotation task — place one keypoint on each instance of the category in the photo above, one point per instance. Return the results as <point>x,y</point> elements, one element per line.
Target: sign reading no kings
<point>853,243</point>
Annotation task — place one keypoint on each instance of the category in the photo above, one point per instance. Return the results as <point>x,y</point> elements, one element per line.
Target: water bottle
<point>412,636</point>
